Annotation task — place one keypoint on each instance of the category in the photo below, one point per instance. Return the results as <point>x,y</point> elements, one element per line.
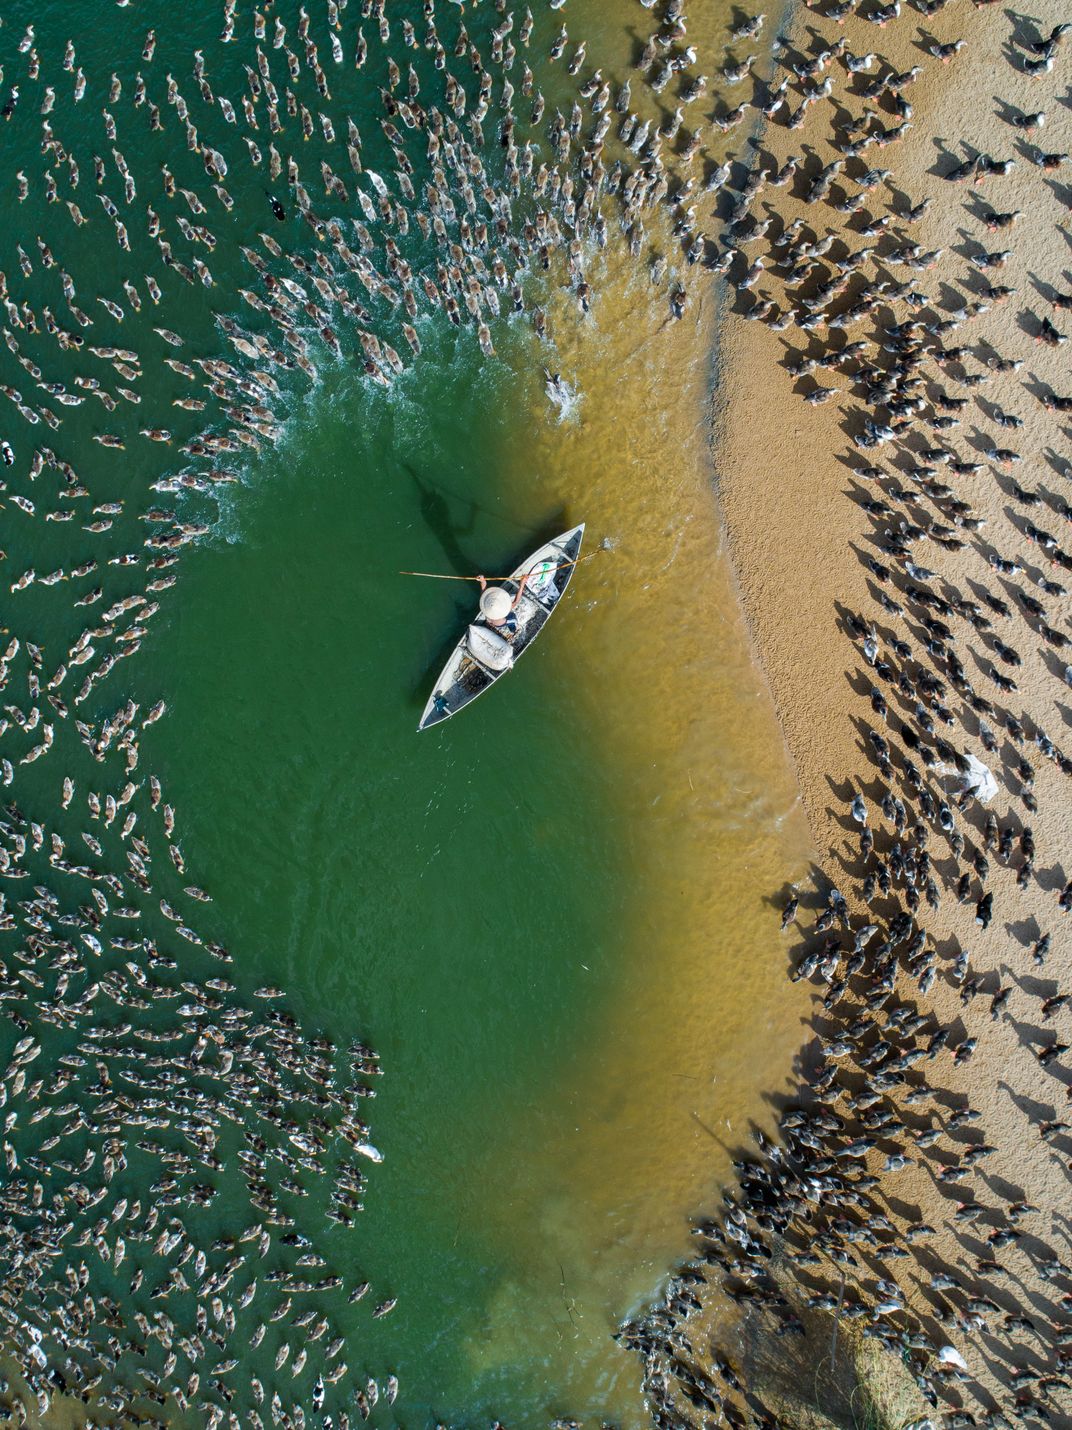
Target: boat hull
<point>466,675</point>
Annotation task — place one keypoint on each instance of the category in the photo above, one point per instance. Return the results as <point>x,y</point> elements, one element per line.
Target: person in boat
<point>497,607</point>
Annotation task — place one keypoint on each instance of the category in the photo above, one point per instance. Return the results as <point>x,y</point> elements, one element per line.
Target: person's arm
<point>483,583</point>
<point>520,591</point>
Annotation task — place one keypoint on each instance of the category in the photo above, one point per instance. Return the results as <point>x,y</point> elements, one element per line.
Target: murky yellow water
<point>704,1027</point>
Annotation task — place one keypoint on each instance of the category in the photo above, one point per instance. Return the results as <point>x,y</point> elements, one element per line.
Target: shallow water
<point>550,916</point>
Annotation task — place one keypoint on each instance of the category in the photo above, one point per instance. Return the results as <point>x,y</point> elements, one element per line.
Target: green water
<point>455,896</point>
<point>475,902</point>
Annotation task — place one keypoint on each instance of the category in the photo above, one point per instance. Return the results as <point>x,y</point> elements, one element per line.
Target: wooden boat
<point>484,654</point>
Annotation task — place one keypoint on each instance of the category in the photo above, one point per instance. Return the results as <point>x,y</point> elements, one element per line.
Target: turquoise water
<point>517,910</point>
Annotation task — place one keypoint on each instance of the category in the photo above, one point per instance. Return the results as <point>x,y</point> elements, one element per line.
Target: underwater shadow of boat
<point>435,512</point>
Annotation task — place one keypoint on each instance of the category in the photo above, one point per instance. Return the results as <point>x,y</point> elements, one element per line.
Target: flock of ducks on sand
<point>933,388</point>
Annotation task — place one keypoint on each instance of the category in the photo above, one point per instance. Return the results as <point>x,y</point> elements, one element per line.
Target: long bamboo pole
<point>438,576</point>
